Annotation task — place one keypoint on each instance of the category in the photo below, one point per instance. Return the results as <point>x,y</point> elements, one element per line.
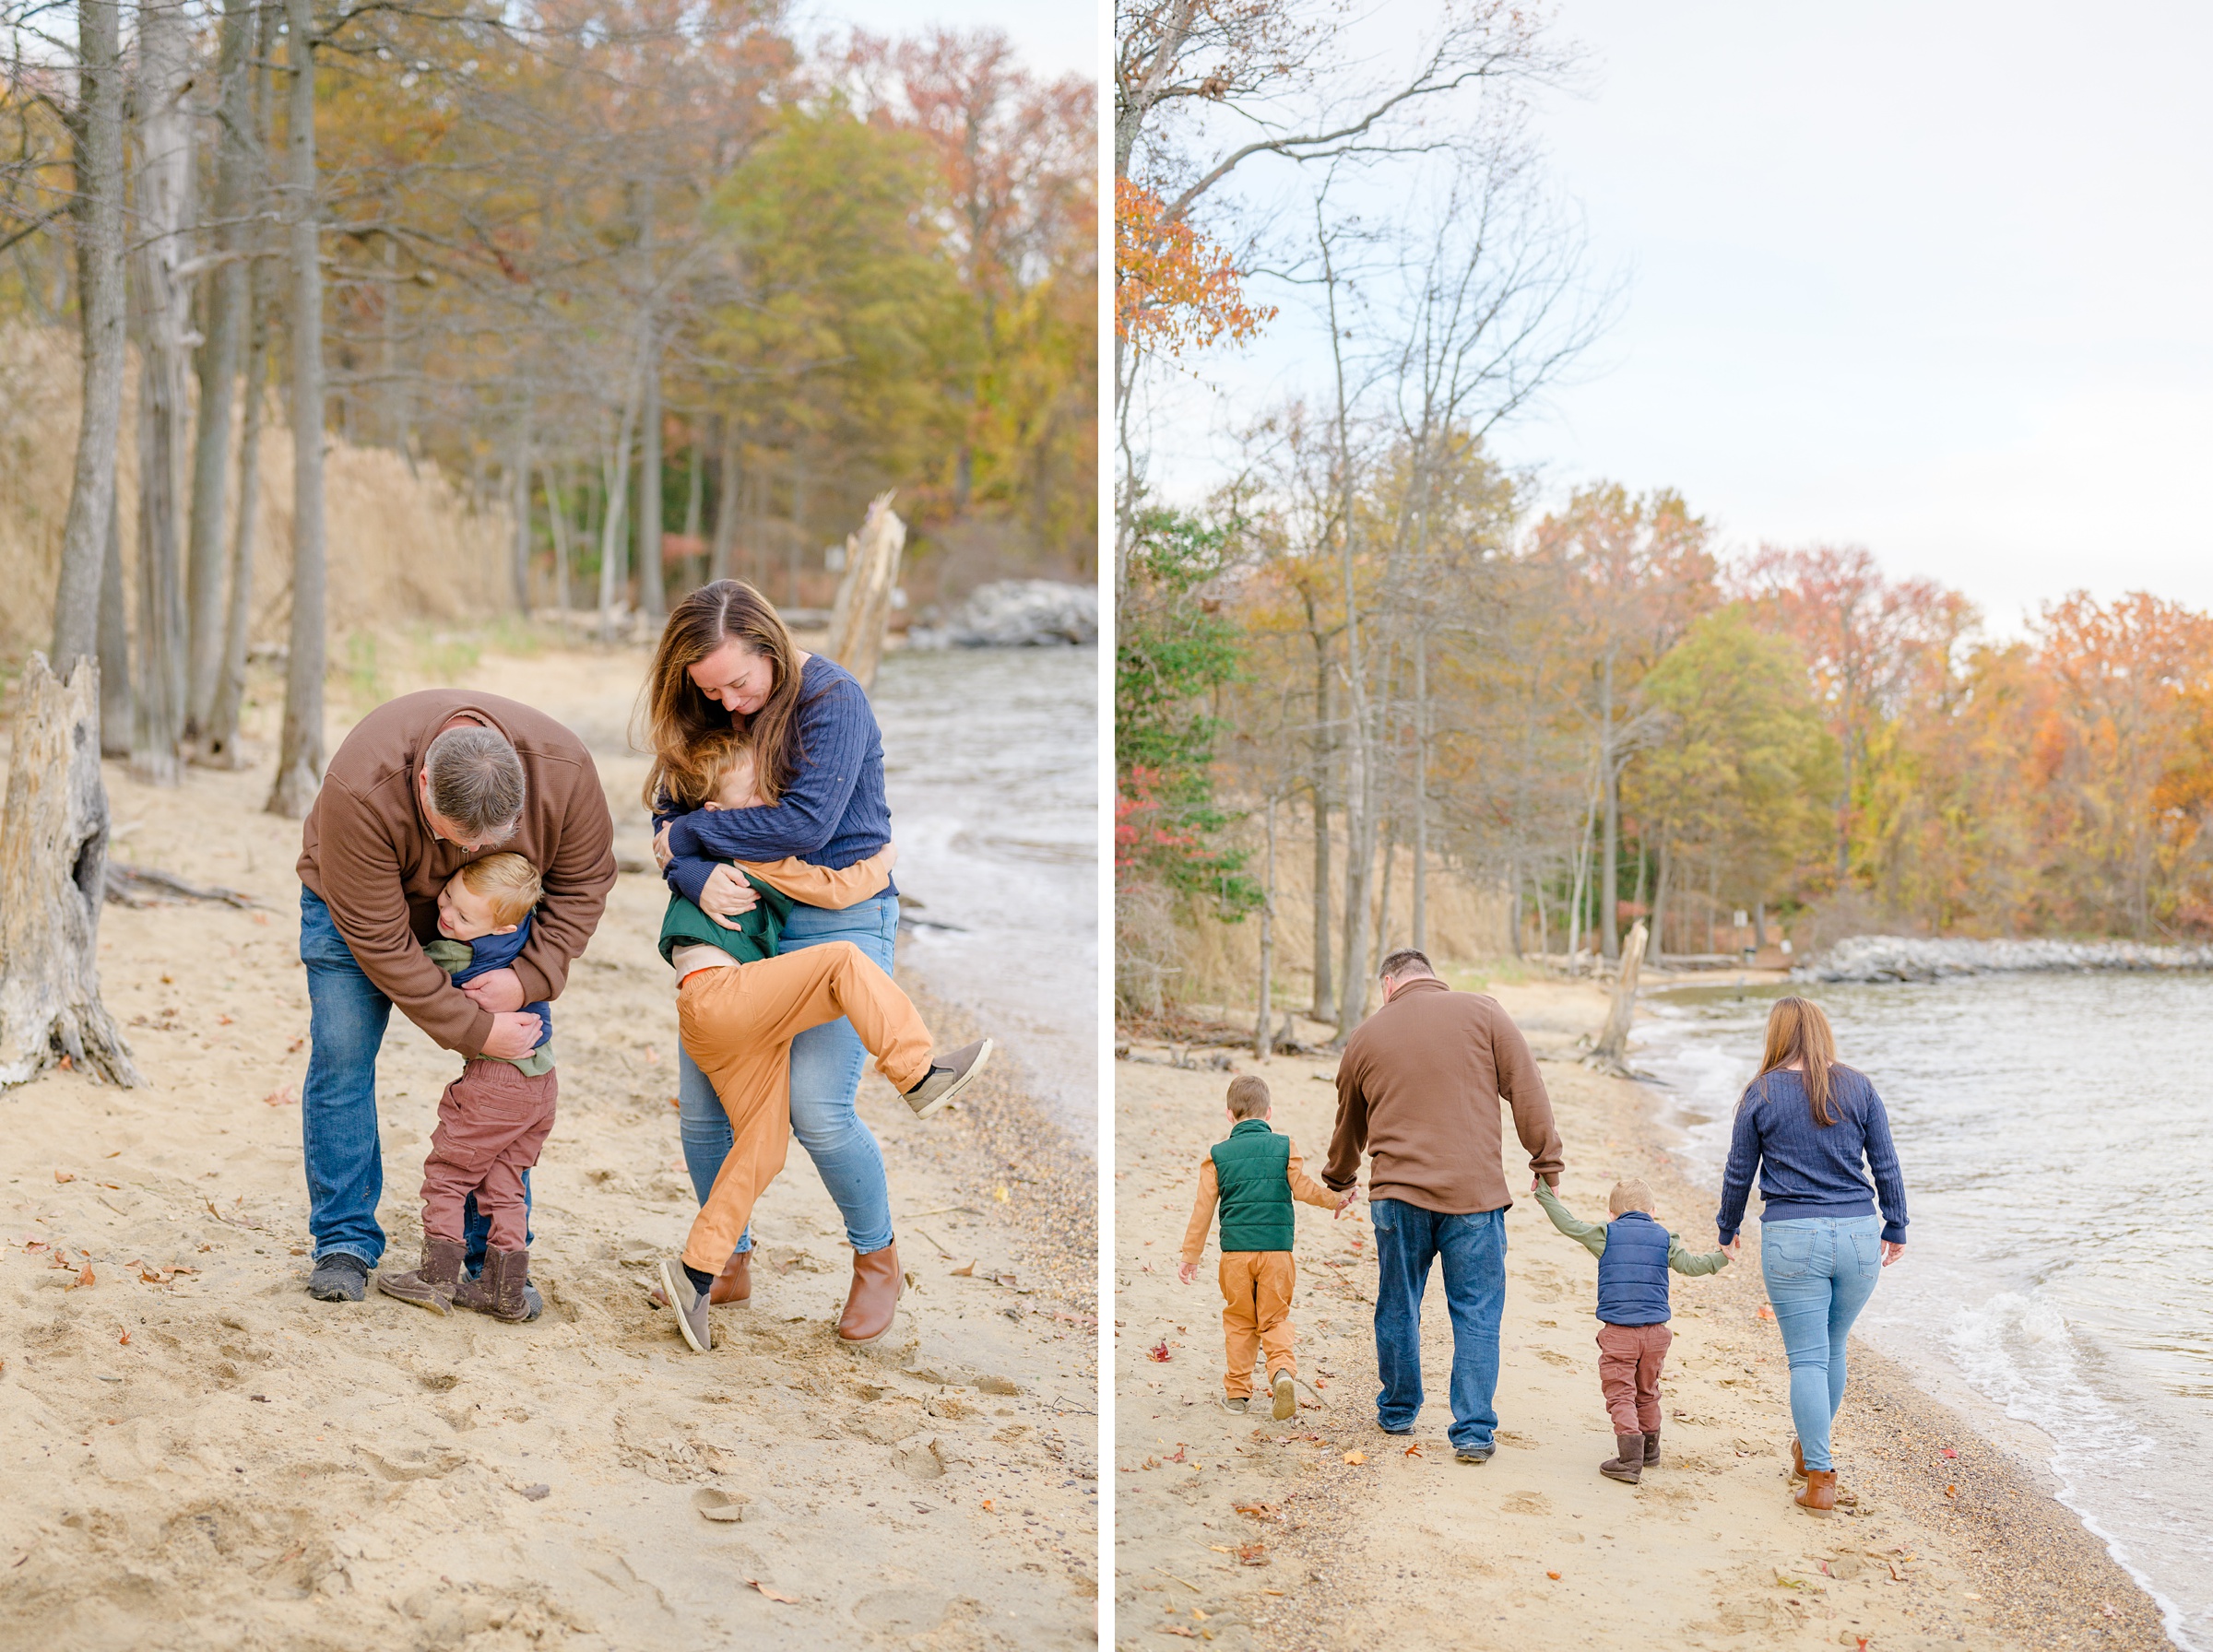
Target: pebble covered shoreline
<point>1872,958</point>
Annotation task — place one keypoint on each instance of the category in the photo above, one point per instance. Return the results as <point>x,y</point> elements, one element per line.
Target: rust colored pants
<point>738,1022</point>
<point>1256,1314</point>
<point>491,1122</point>
<point>1629,1357</point>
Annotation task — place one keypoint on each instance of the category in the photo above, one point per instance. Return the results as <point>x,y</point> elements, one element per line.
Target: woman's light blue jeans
<point>1819,1273</point>
<point>826,1065</point>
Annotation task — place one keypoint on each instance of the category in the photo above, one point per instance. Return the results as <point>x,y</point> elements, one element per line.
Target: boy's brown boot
<point>1651,1447</point>
<point>431,1285</point>
<point>1820,1494</point>
<point>498,1291</point>
<point>1627,1464</point>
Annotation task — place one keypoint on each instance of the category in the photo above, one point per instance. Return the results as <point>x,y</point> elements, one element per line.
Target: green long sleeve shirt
<point>1591,1235</point>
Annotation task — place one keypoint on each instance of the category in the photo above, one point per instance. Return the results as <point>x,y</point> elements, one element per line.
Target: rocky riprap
<point>1017,613</point>
<point>1906,958</point>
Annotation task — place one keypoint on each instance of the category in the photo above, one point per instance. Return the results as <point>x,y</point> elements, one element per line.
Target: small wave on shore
<point>1873,958</point>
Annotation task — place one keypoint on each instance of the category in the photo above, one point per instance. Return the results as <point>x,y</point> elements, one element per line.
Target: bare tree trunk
<point>519,486</point>
<point>557,515</point>
<point>1609,770</point>
<point>163,208</point>
<point>696,487</point>
<point>1261,1043</point>
<point>652,598</point>
<point>1324,998</point>
<point>219,368</point>
<point>613,542</point>
<point>299,763</point>
<point>1613,1046</point>
<point>726,501</point>
<point>98,184</point>
<point>114,647</point>
<point>53,868</point>
<point>1658,947</point>
<point>222,748</point>
<point>1421,794</point>
<point>862,612</point>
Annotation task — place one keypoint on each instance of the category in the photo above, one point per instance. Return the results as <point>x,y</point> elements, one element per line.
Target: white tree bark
<point>299,763</point>
<point>53,861</point>
<point>862,611</point>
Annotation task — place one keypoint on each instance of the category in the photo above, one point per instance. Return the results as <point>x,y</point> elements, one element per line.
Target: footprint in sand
<point>1527,1503</point>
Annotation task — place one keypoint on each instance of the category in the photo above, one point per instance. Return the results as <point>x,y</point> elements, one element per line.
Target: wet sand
<point>1253,1533</point>
<point>200,1455</point>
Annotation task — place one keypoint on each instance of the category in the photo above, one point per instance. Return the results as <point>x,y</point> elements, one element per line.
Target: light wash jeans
<point>346,1019</point>
<point>1819,1272</point>
<point>1471,1249</point>
<point>826,1065</point>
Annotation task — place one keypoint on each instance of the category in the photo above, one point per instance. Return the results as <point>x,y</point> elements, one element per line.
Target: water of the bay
<point>2060,1178</point>
<point>991,756</point>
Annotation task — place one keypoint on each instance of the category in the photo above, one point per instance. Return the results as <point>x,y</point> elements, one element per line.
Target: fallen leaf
<point>774,1594</point>
<point>987,1502</point>
<point>65,1175</point>
<point>1414,1449</point>
<point>1949,1452</point>
<point>1000,1193</point>
<point>112,1187</point>
<point>293,1048</point>
<point>1253,1554</point>
<point>1767,1312</point>
<point>1951,1491</point>
<point>278,1097</point>
<point>1356,1458</point>
<point>224,1020</point>
<point>66,1064</point>
<point>86,1278</point>
<point>964,1273</point>
<point>1553,1576</point>
<point>1158,1352</point>
<point>124,1339</point>
<point>1220,1548</point>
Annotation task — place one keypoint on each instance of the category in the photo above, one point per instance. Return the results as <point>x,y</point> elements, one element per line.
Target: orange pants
<point>738,1023</point>
<point>1256,1314</point>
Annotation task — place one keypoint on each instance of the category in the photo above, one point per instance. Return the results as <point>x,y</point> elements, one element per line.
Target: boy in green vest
<point>1254,1175</point>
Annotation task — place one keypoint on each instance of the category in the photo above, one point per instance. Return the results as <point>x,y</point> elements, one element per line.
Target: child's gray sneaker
<point>1236,1403</point>
<point>691,1305</point>
<point>949,1075</point>
<point>1286,1400</point>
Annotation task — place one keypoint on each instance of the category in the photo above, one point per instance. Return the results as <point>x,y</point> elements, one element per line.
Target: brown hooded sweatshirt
<point>367,850</point>
<point>1418,1089</point>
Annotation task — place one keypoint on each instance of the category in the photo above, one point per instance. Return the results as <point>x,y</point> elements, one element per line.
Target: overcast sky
<point>1056,37</point>
<point>1936,279</point>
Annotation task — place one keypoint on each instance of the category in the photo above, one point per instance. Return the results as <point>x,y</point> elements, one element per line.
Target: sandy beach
<point>197,1454</point>
<point>1310,1533</point>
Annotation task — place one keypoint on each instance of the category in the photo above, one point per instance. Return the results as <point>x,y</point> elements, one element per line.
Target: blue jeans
<point>346,1016</point>
<point>826,1065</point>
<point>1819,1272</point>
<point>1473,1249</point>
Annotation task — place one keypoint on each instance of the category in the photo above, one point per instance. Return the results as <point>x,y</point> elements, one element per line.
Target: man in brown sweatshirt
<point>420,785</point>
<point>1418,1090</point>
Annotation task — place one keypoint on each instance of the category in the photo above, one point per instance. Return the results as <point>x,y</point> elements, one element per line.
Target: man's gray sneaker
<point>691,1305</point>
<point>949,1075</point>
<point>1474,1454</point>
<point>340,1277</point>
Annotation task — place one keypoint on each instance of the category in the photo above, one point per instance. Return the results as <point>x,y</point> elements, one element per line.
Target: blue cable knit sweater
<point>1810,1170</point>
<point>832,814</point>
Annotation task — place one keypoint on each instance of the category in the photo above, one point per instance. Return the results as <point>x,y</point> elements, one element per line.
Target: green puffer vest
<point>756,937</point>
<point>1252,1168</point>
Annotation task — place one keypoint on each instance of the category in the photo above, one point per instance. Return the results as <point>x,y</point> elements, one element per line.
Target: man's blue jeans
<point>1473,1249</point>
<point>1819,1273</point>
<point>346,1016</point>
<point>826,1065</point>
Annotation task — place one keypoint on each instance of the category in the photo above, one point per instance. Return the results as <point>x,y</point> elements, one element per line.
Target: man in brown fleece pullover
<point>420,785</point>
<point>1418,1090</point>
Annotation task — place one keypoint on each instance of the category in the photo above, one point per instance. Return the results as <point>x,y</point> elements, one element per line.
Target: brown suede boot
<point>1797,1460</point>
<point>873,1298</point>
<point>1627,1464</point>
<point>430,1285</point>
<point>1651,1447</point>
<point>1820,1494</point>
<point>733,1284</point>
<point>499,1289</point>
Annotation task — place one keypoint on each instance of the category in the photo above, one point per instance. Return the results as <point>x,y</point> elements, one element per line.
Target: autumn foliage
<point>1175,290</point>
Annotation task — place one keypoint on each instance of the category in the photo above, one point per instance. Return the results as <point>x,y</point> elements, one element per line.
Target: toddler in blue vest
<point>1254,1175</point>
<point>1634,1254</point>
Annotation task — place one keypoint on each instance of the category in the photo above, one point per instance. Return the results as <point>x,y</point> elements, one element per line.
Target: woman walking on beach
<point>726,661</point>
<point>1807,1125</point>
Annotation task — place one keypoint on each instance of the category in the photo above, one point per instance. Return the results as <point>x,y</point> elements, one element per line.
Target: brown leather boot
<point>1820,1494</point>
<point>1797,1460</point>
<point>499,1289</point>
<point>1627,1464</point>
<point>733,1284</point>
<point>874,1297</point>
<point>430,1285</point>
<point>1651,1447</point>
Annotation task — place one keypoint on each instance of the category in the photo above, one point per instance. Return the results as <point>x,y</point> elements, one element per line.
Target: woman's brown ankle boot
<point>1797,1460</point>
<point>873,1299</point>
<point>1820,1494</point>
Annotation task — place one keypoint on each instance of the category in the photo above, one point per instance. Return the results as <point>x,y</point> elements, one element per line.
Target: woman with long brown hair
<point>727,662</point>
<point>1813,1130</point>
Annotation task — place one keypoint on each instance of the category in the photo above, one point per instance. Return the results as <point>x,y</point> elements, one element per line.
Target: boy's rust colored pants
<point>1629,1358</point>
<point>738,1023</point>
<point>492,1121</point>
<point>1256,1314</point>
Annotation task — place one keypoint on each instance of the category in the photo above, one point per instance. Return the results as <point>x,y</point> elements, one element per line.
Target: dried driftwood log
<point>863,610</point>
<point>53,857</point>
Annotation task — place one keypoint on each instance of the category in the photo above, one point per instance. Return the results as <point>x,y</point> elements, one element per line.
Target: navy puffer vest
<point>1632,1275</point>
